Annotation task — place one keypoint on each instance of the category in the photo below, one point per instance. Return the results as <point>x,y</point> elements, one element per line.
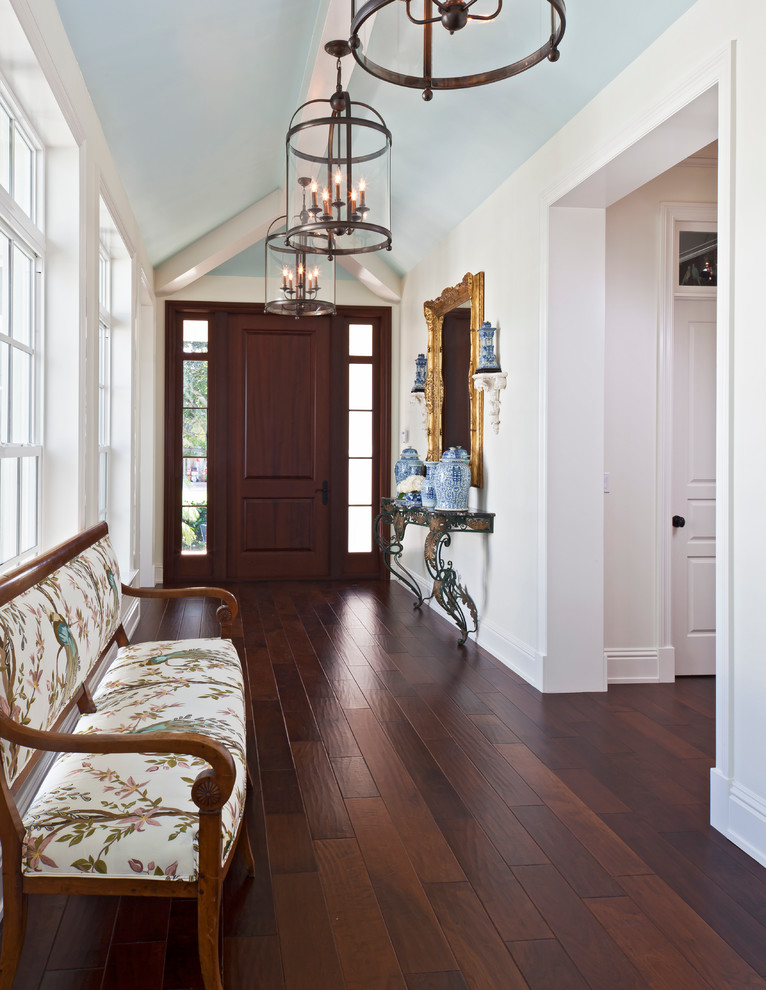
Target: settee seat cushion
<point>130,814</point>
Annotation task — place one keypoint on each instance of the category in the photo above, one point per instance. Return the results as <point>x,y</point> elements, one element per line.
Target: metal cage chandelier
<point>300,279</point>
<point>339,172</point>
<point>453,16</point>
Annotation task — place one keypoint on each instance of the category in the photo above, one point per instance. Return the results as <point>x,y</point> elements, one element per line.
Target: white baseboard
<point>522,659</point>
<point>632,666</point>
<point>158,574</point>
<point>519,657</point>
<point>739,814</point>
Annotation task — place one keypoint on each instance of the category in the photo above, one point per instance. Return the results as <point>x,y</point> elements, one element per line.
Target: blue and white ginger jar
<point>409,463</point>
<point>428,491</point>
<point>452,479</point>
<point>487,356</point>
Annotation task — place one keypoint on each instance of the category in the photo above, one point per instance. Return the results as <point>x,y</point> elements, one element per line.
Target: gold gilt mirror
<point>455,409</point>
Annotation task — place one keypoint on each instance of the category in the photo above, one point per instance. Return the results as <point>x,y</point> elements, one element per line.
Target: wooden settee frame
<point>210,790</point>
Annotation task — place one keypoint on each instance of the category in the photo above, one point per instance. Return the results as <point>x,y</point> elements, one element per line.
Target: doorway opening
<point>276,442</point>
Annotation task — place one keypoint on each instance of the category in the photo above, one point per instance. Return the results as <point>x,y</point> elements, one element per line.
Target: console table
<point>389,527</point>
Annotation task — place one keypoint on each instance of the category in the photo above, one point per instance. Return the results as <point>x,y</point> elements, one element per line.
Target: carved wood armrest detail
<point>226,613</point>
<point>187,743</point>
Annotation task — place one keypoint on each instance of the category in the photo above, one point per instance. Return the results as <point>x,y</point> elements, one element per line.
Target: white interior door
<point>693,552</point>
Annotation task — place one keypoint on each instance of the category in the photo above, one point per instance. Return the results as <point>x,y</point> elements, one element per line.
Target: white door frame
<point>719,72</point>
<point>671,214</point>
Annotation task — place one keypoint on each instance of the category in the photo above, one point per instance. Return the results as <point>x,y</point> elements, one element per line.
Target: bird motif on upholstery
<point>189,654</point>
<point>115,589</point>
<point>68,644</point>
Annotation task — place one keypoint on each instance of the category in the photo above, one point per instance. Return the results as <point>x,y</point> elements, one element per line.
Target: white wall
<point>711,43</point>
<point>633,243</point>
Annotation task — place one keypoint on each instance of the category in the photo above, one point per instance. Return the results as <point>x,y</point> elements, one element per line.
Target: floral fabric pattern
<point>50,638</point>
<point>130,814</point>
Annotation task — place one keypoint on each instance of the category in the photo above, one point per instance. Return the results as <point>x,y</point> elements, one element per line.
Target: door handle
<point>679,522</point>
<point>325,490</point>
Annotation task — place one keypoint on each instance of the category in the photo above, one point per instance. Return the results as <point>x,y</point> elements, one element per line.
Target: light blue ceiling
<point>195,98</point>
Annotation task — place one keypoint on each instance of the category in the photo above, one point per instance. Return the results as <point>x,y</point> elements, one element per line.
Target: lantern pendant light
<point>339,173</point>
<point>300,279</point>
<point>453,15</point>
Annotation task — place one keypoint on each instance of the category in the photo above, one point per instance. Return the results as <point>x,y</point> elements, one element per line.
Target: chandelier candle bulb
<point>313,194</point>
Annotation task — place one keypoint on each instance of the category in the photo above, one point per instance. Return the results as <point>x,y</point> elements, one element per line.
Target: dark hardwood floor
<point>425,820</point>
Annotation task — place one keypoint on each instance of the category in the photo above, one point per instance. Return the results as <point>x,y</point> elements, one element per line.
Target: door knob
<point>679,522</point>
<point>325,490</point>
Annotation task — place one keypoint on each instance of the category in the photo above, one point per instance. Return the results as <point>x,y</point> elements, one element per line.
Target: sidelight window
<point>194,437</point>
<point>360,437</point>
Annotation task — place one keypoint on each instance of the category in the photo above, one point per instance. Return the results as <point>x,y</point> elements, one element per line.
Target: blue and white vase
<point>452,479</point>
<point>487,357</point>
<point>428,491</point>
<point>409,463</point>
<point>420,373</point>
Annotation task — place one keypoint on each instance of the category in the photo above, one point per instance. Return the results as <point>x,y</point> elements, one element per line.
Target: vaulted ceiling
<point>195,99</point>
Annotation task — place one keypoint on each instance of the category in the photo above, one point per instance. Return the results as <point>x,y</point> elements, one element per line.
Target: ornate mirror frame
<point>471,288</point>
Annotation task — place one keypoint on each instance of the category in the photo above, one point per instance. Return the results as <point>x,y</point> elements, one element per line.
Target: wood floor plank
<point>290,846</point>
<point>366,954</point>
<point>322,799</point>
<point>73,979</point>
<point>44,917</point>
<point>142,919</point>
<point>510,838</point>
<point>604,966</point>
<point>354,779</point>
<point>426,846</point>
<point>505,780</point>
<point>436,981</point>
<point>707,952</point>
<point>504,899</point>
<point>614,855</point>
<point>412,926</point>
<point>336,734</point>
<point>592,792</point>
<point>273,745</point>
<point>309,958</point>
<point>253,962</point>
<point>573,861</point>
<point>483,957</point>
<point>713,905</point>
<point>544,965</point>
<point>84,933</point>
<point>133,964</point>
<point>654,956</point>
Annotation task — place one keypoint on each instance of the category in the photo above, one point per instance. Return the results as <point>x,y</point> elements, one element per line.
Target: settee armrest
<point>210,790</point>
<point>226,613</point>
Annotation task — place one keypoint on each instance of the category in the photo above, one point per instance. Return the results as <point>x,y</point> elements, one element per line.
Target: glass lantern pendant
<point>300,280</point>
<point>339,172</point>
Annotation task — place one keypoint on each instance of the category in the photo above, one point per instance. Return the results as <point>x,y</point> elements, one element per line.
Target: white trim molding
<point>739,814</point>
<point>521,658</point>
<point>632,666</point>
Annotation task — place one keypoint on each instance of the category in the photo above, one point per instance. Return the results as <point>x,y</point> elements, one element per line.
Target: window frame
<point>26,236</point>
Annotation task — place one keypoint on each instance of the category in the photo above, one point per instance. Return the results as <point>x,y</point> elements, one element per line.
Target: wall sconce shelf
<point>491,383</point>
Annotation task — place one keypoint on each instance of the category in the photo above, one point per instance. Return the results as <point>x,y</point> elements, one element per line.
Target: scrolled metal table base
<point>451,595</point>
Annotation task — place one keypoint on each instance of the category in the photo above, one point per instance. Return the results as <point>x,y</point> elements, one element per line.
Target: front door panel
<point>280,424</point>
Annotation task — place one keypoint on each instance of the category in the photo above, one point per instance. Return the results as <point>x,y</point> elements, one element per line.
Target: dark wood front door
<point>278,505</point>
<point>277,442</point>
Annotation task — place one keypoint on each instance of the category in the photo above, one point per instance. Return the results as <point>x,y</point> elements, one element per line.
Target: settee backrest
<point>52,635</point>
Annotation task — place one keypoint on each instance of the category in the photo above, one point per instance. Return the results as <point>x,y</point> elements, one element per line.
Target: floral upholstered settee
<point>147,792</point>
